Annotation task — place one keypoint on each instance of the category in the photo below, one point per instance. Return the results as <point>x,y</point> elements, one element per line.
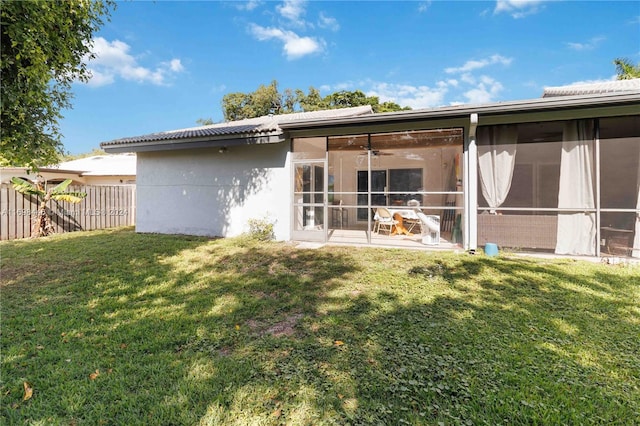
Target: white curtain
<point>636,240</point>
<point>496,158</point>
<point>576,230</point>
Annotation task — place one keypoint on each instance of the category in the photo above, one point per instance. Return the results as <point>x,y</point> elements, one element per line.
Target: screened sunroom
<point>550,175</point>
<point>567,187</point>
<point>400,188</point>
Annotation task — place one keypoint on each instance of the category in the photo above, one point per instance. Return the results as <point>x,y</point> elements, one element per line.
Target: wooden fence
<point>103,207</point>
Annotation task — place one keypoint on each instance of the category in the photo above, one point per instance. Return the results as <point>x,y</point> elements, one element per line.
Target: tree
<point>204,121</point>
<point>268,100</point>
<point>92,153</point>
<point>264,101</point>
<point>41,224</point>
<point>626,70</point>
<point>390,107</point>
<point>45,45</point>
<point>312,101</point>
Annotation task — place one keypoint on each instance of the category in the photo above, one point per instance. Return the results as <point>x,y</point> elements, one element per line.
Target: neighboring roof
<point>265,129</point>
<point>97,165</point>
<point>101,165</point>
<point>613,86</point>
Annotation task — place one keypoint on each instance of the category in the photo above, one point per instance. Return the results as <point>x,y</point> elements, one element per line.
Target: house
<point>108,169</point>
<point>557,174</point>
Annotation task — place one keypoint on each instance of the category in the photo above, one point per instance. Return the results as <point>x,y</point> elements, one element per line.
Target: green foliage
<point>626,69</point>
<point>390,107</point>
<point>42,221</point>
<point>189,330</point>
<point>204,121</point>
<point>264,101</point>
<point>57,193</point>
<point>26,188</point>
<point>260,229</point>
<point>312,101</point>
<point>268,100</point>
<point>44,46</point>
<point>92,153</point>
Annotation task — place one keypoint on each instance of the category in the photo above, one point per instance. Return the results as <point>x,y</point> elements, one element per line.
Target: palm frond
<point>25,187</point>
<point>626,70</point>
<point>70,197</point>
<point>61,186</point>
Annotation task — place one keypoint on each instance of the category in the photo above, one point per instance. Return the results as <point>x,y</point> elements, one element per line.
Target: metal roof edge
<point>46,170</point>
<point>520,106</point>
<point>193,143</point>
<point>259,127</point>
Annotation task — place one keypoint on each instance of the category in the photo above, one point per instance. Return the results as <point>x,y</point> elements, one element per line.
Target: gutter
<point>631,98</point>
<point>192,143</point>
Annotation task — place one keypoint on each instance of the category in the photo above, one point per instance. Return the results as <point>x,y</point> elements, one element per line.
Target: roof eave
<point>453,112</point>
<point>193,143</point>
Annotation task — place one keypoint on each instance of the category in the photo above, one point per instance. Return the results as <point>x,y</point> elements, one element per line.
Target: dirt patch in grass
<point>286,327</point>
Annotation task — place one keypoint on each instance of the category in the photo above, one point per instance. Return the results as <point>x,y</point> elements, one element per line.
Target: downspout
<point>471,188</point>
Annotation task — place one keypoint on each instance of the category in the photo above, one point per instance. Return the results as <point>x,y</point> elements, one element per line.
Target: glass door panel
<point>378,189</point>
<point>308,201</point>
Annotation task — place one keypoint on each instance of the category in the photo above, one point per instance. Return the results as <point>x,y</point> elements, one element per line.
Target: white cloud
<point>518,8</point>
<point>292,10</point>
<point>477,64</point>
<point>325,21</point>
<point>219,88</point>
<point>486,91</point>
<point>113,59</point>
<point>423,6</point>
<point>100,79</point>
<point>294,46</point>
<point>468,78</point>
<point>248,6</point>
<point>175,65</point>
<point>409,95</point>
<point>466,89</point>
<point>589,45</point>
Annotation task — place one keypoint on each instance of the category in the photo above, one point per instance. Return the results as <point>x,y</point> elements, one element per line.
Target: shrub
<point>261,229</point>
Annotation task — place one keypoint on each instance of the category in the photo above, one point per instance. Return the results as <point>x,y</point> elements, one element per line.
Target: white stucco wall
<point>205,192</point>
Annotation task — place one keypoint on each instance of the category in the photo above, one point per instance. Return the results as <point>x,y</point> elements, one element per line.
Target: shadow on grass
<point>193,331</point>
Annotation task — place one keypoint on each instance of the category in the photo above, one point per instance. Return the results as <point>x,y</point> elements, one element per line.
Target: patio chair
<point>412,223</point>
<point>384,220</point>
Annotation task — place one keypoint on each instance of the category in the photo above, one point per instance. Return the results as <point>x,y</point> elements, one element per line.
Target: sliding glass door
<point>378,189</point>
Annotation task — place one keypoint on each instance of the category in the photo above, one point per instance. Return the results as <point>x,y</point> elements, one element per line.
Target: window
<point>406,181</point>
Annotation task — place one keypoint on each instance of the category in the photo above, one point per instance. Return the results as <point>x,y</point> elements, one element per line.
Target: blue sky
<point>162,65</point>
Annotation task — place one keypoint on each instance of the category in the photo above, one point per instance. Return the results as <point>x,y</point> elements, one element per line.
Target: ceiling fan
<point>377,153</point>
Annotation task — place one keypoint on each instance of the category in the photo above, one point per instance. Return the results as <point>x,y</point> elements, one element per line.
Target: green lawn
<point>111,327</point>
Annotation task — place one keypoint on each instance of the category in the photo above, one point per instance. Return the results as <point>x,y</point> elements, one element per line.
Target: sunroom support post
<point>598,194</point>
<point>369,218</point>
<point>471,187</point>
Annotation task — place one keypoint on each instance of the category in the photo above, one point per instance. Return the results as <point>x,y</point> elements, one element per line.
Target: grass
<point>113,327</point>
